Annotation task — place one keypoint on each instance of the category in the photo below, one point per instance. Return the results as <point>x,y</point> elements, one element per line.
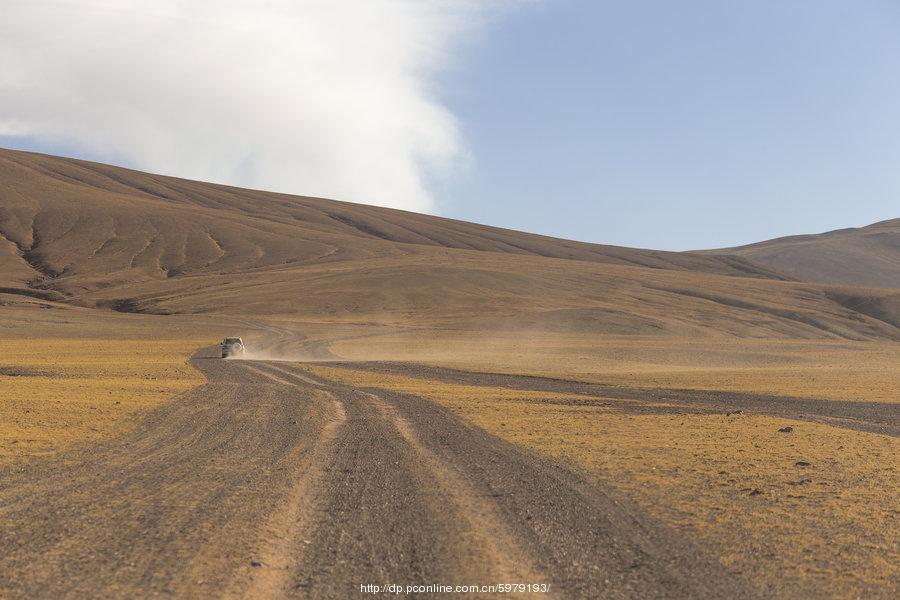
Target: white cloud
<point>320,97</point>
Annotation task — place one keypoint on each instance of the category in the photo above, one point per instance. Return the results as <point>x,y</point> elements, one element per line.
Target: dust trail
<point>268,342</point>
<point>301,342</point>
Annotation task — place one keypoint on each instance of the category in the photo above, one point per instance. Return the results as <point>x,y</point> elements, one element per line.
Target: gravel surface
<point>875,417</point>
<point>270,482</point>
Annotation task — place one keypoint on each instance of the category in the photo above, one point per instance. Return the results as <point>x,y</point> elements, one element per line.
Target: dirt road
<point>269,482</point>
<point>875,417</point>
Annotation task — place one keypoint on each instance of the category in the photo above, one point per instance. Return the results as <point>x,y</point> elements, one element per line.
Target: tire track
<point>269,575</point>
<point>492,553</point>
<point>177,507</point>
<point>563,529</point>
<point>875,417</point>
<point>490,542</point>
<point>456,535</point>
<point>269,482</point>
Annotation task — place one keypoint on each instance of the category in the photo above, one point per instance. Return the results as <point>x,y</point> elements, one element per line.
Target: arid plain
<point>734,414</point>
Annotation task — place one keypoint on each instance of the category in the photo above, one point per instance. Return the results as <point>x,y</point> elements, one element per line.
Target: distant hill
<point>74,219</point>
<point>865,256</point>
<point>99,236</point>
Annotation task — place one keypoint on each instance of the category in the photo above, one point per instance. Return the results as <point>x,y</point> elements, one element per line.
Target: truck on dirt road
<point>232,347</point>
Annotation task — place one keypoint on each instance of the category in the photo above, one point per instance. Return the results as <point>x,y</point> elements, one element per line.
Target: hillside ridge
<point>317,216</point>
<point>862,256</point>
<point>94,235</point>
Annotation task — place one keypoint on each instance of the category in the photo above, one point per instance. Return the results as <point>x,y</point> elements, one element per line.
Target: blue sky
<point>682,125</point>
<point>672,125</point>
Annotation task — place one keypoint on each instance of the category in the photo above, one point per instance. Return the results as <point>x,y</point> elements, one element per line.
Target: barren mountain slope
<point>97,235</point>
<point>75,220</point>
<point>865,256</point>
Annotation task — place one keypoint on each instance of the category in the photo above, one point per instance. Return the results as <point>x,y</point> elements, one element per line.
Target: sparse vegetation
<point>57,392</point>
<point>822,369</point>
<point>70,376</point>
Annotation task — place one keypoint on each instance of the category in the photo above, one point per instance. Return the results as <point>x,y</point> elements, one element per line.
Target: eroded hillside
<point>96,235</point>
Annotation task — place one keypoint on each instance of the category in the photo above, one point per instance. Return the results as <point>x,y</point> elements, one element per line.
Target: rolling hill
<point>93,235</point>
<point>865,256</point>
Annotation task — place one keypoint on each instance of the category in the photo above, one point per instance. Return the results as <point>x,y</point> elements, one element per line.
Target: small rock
<point>801,463</point>
<point>734,412</point>
<point>756,492</point>
<point>786,430</point>
<point>255,563</point>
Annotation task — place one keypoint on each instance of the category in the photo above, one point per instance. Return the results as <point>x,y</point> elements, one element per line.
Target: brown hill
<point>96,235</point>
<point>864,256</point>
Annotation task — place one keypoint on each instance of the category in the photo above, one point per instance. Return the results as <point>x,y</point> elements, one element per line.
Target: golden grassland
<point>826,369</point>
<point>57,392</point>
<point>69,376</point>
<point>734,482</point>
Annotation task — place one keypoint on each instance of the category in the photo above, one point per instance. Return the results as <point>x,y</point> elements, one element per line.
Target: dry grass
<point>827,369</point>
<point>70,376</point>
<point>54,393</point>
<point>733,482</point>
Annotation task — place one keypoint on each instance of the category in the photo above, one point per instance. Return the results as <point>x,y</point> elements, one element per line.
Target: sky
<point>671,125</point>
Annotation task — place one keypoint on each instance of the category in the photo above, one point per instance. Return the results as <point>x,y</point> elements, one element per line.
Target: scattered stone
<point>803,481</point>
<point>256,563</point>
<point>786,430</point>
<point>801,463</point>
<point>20,372</point>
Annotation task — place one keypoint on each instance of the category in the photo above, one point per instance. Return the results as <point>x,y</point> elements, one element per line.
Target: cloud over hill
<point>332,98</point>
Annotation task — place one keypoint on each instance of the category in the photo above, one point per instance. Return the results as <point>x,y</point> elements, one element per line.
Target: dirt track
<point>876,417</point>
<point>268,482</point>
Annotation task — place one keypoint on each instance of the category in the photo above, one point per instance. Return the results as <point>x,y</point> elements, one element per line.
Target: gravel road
<point>268,482</point>
<point>875,417</point>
